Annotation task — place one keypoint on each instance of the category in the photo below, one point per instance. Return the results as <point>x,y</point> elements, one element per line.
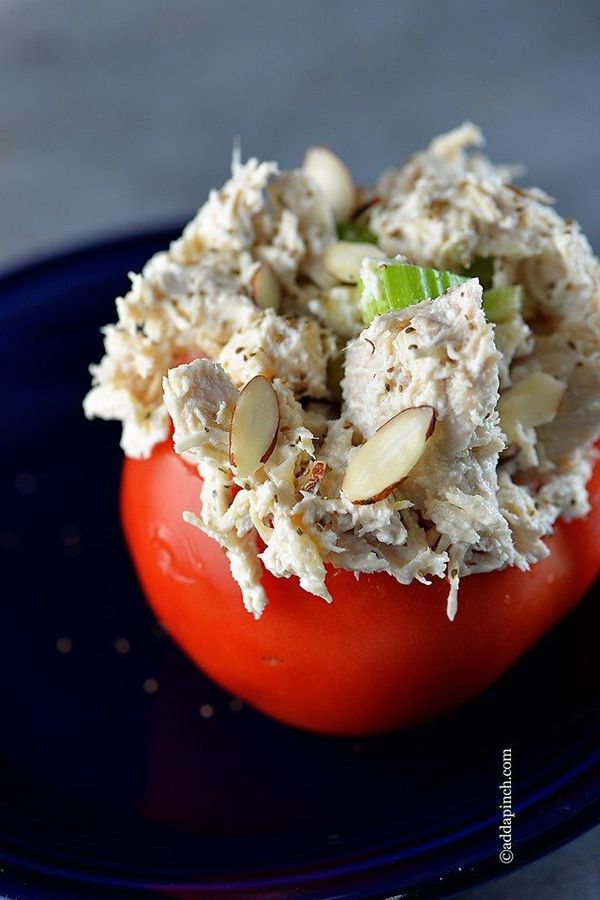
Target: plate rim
<point>542,842</point>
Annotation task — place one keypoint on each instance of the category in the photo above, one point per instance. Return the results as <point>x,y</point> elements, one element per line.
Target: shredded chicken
<point>475,501</point>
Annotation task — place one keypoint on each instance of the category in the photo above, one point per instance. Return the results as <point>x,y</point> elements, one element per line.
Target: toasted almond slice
<point>254,426</point>
<point>265,287</point>
<point>315,478</point>
<point>380,465</point>
<point>530,402</point>
<point>344,259</point>
<point>334,179</point>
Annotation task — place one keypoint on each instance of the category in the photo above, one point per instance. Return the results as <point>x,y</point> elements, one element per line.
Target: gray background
<point>121,113</point>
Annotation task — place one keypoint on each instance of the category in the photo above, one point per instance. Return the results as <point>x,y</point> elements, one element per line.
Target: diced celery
<point>401,286</point>
<point>354,231</point>
<point>502,304</point>
<point>482,267</point>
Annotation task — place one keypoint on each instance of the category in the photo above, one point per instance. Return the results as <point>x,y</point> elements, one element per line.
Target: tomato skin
<point>381,656</point>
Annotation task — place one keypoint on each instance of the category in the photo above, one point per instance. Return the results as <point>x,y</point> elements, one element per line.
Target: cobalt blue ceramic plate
<point>123,770</point>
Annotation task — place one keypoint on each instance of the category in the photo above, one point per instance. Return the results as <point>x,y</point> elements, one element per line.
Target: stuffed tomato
<point>360,430</point>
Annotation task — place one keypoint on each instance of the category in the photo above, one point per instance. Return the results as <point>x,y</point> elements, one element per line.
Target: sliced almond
<point>254,426</point>
<point>315,478</point>
<point>380,465</point>
<point>344,259</point>
<point>333,178</point>
<point>265,287</point>
<point>530,402</point>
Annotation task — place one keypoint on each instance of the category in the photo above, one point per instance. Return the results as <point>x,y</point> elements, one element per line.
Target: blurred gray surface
<point>121,113</point>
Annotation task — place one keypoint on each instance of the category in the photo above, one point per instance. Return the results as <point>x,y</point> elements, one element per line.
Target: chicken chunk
<point>294,350</point>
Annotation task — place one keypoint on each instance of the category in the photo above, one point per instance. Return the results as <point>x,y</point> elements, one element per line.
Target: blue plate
<point>124,770</point>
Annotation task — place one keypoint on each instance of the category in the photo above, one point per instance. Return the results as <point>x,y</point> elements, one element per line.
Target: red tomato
<point>381,656</point>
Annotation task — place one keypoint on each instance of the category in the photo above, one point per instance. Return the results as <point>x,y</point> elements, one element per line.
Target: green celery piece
<point>354,231</point>
<point>403,285</point>
<point>370,307</point>
<point>482,267</point>
<point>502,304</point>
